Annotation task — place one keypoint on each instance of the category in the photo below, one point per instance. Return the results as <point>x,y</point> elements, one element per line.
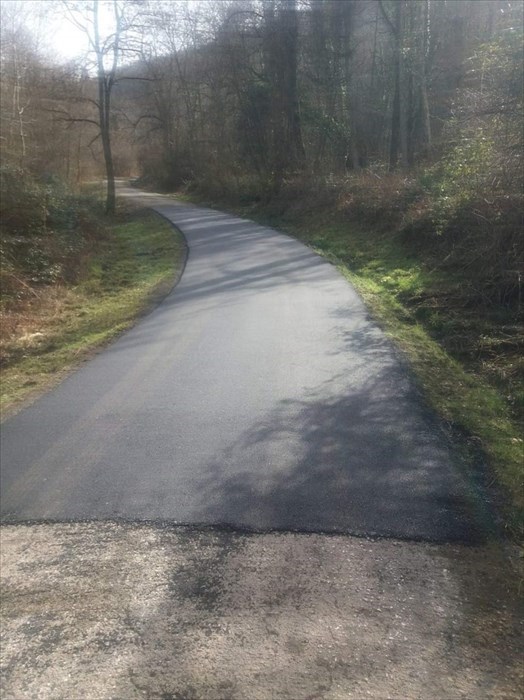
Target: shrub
<point>23,210</point>
<point>379,200</point>
<point>44,229</point>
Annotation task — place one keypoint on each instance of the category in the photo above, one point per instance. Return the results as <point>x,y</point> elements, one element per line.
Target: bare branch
<point>94,139</point>
<point>386,17</point>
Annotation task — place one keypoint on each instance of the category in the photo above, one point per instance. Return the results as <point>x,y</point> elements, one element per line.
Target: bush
<point>23,210</point>
<point>44,230</point>
<point>380,200</point>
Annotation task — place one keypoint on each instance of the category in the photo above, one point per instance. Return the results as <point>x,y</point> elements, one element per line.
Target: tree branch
<point>131,77</point>
<point>66,117</point>
<point>386,18</point>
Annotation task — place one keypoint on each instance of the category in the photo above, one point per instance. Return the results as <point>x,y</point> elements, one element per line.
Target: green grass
<point>384,277</point>
<point>476,409</point>
<point>133,267</point>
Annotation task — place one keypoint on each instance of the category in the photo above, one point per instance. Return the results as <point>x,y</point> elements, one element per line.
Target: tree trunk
<point>352,110</point>
<point>105,84</point>
<point>403,98</point>
<point>395,125</point>
<point>104,112</point>
<point>399,117</point>
<point>287,150</point>
<point>424,102</point>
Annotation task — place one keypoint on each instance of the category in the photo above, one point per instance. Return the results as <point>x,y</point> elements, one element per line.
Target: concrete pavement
<point>104,611</point>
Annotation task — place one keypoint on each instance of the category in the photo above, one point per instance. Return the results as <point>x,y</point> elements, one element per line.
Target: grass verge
<point>390,281</point>
<point>133,267</point>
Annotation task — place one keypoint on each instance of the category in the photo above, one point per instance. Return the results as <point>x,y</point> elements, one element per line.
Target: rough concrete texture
<point>102,610</point>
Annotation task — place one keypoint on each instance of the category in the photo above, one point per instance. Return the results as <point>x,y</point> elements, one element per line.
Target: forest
<point>387,134</point>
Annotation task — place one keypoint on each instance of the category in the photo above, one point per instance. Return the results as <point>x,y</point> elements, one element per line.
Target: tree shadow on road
<point>373,462</point>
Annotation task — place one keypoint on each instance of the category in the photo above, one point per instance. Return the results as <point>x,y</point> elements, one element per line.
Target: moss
<point>413,303</point>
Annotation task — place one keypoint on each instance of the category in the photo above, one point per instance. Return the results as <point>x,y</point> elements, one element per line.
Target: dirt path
<point>111,611</point>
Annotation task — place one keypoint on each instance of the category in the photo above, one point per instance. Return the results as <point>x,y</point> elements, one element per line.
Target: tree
<point>107,48</point>
<point>251,93</point>
<point>32,88</point>
<point>281,64</point>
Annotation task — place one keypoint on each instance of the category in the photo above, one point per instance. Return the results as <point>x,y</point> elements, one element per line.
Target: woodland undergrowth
<point>437,255</point>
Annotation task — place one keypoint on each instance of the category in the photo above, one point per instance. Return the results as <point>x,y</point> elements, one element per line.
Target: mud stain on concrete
<point>107,611</point>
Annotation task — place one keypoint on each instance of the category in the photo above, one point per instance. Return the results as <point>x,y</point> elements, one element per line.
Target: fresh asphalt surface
<point>258,394</point>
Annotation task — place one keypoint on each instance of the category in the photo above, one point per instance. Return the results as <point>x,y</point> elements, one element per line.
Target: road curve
<point>259,394</point>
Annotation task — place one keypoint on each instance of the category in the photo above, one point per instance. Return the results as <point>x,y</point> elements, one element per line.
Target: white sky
<point>57,36</point>
<point>47,22</point>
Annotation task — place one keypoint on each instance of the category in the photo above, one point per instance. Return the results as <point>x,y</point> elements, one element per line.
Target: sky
<point>58,37</point>
<point>46,20</point>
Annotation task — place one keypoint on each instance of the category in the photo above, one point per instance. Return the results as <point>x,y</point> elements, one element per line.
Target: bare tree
<point>281,64</point>
<point>107,49</point>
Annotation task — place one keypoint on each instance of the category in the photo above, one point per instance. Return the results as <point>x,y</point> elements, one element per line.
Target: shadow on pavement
<point>357,464</point>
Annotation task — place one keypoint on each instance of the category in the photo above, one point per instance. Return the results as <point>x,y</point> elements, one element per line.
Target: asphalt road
<point>258,394</point>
